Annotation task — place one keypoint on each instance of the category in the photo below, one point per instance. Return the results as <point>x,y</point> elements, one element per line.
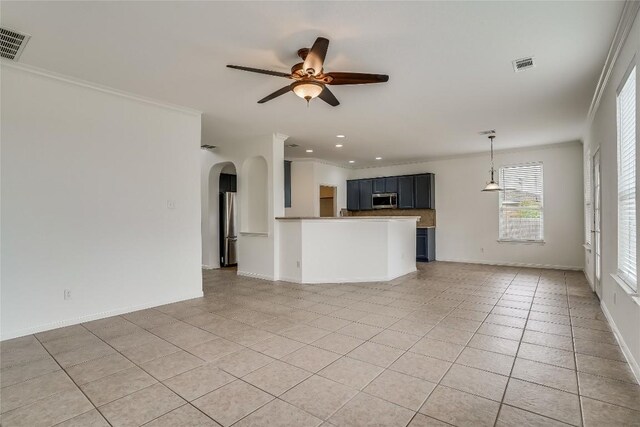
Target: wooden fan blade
<point>258,70</point>
<point>275,94</point>
<point>327,96</point>
<point>315,58</point>
<point>355,78</point>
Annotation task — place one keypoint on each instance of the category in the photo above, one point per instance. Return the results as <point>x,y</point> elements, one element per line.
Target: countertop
<point>350,218</point>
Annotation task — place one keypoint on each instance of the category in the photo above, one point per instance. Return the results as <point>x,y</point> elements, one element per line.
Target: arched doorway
<point>222,179</point>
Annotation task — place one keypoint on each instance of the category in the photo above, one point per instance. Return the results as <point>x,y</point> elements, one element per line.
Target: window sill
<point>523,242</point>
<point>626,288</point>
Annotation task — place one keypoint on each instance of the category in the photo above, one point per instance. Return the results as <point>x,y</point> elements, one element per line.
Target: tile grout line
<point>575,357</point>
<point>74,383</point>
<point>412,310</point>
<point>158,381</point>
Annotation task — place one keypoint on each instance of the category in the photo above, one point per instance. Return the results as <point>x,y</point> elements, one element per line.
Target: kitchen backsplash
<point>427,216</point>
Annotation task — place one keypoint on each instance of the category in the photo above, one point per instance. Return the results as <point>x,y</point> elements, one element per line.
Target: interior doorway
<point>328,201</point>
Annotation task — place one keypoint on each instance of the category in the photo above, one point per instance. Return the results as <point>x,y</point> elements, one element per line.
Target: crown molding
<point>317,160</point>
<point>477,154</point>
<point>627,18</point>
<point>95,86</point>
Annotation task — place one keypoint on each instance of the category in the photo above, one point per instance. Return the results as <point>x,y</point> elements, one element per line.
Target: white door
<point>597,245</point>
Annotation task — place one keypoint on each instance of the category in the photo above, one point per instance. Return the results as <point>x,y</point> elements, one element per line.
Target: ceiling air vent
<point>523,64</point>
<point>208,147</point>
<point>293,145</point>
<point>12,43</point>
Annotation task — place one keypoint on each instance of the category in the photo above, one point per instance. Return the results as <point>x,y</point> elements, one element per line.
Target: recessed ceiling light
<point>340,136</point>
<point>378,158</point>
<point>309,151</point>
<point>338,145</point>
<point>352,161</point>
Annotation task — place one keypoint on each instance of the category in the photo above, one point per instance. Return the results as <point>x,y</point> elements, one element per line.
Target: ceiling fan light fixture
<point>307,89</point>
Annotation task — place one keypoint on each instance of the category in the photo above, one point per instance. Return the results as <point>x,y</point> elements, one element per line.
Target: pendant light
<point>493,184</point>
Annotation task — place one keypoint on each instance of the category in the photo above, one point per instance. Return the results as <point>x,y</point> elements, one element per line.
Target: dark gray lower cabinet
<point>426,244</point>
<point>353,195</point>
<point>366,190</point>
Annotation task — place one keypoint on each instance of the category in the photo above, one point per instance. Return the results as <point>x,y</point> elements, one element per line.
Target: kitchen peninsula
<point>346,249</point>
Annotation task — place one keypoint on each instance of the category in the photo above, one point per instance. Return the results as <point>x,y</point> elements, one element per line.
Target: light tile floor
<point>451,344</point>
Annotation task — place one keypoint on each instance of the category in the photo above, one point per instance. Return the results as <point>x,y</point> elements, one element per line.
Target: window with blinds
<point>627,181</point>
<point>520,204</point>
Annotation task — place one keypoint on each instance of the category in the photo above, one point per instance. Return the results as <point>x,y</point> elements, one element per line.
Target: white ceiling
<point>449,65</point>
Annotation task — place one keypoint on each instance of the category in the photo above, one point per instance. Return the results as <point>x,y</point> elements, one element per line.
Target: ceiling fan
<point>310,79</point>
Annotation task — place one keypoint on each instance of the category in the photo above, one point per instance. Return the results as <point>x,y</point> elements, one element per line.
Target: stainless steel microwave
<point>384,201</point>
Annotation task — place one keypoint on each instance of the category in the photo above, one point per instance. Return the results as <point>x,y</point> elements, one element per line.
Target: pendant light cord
<point>491,138</point>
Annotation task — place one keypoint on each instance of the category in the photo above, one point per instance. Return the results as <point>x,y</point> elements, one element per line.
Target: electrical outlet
<point>171,204</point>
<point>482,250</point>
<point>298,264</point>
<point>67,294</point>
<point>615,294</point>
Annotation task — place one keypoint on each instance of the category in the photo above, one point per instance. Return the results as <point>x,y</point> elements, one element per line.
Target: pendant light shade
<point>492,185</point>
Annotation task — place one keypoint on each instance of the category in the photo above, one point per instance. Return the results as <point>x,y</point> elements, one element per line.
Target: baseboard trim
<point>210,267</point>
<point>635,368</point>
<point>101,315</point>
<point>348,280</point>
<point>516,264</point>
<point>255,275</point>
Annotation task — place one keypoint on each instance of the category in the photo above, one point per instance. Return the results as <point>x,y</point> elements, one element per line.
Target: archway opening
<point>222,179</point>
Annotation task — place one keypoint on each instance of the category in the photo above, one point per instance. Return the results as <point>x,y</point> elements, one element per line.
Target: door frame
<point>334,197</point>
<point>596,221</point>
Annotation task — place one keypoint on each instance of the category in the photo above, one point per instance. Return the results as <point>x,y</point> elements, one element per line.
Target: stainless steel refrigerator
<point>228,223</point>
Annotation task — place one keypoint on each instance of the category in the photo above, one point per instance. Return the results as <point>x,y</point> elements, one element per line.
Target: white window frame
<point>626,265</point>
<point>500,200</point>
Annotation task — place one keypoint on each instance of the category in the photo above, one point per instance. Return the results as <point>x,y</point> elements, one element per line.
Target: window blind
<point>627,181</point>
<point>521,204</point>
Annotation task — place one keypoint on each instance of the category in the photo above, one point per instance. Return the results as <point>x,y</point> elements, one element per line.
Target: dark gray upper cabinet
<point>405,192</point>
<point>391,184</point>
<point>366,190</point>
<point>287,183</point>
<point>379,185</point>
<point>414,191</point>
<point>424,186</point>
<point>228,182</point>
<point>353,195</point>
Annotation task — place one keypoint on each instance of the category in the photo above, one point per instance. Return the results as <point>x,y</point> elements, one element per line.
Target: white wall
<point>467,218</point>
<point>622,309</point>
<point>316,250</point>
<point>87,174</point>
<point>306,178</point>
